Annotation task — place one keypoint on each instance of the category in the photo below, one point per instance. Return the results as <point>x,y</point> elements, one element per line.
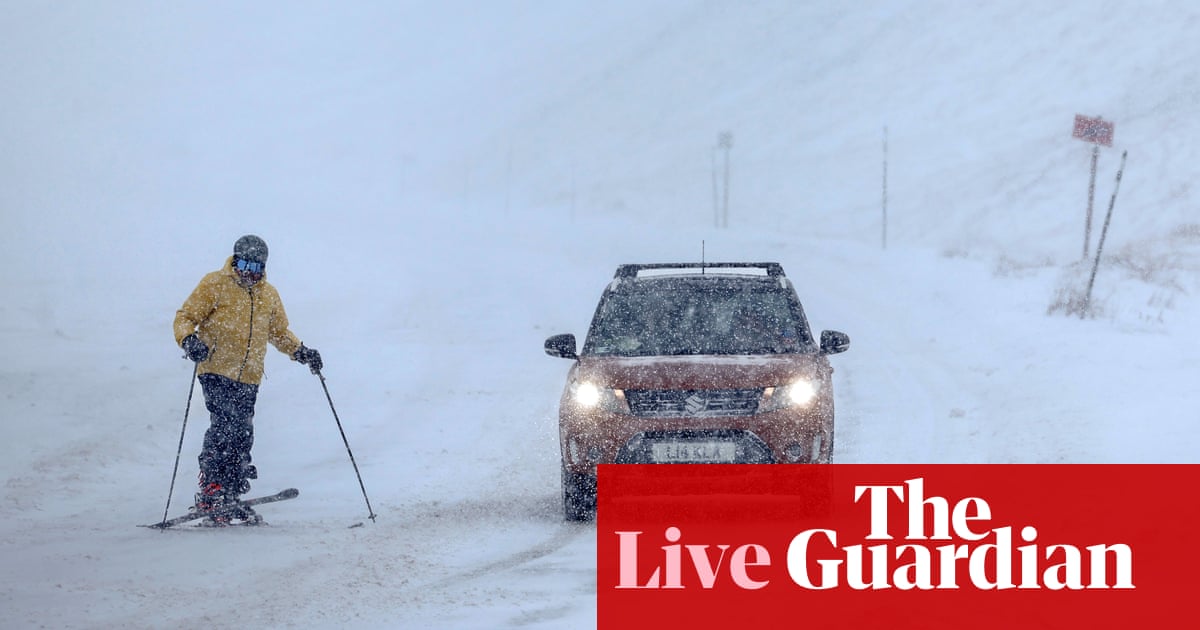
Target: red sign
<point>1095,130</point>
<point>897,546</point>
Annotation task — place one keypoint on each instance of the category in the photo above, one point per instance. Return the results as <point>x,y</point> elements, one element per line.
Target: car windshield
<point>683,319</point>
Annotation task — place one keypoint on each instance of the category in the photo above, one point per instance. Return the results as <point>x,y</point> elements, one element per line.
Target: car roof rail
<point>773,269</point>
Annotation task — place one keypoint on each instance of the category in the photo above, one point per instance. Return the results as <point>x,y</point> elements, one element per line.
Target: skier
<point>224,326</point>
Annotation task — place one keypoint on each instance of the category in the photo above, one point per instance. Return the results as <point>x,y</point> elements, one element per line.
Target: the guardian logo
<point>944,547</point>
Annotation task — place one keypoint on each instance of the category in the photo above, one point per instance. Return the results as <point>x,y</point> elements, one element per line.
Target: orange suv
<point>694,363</point>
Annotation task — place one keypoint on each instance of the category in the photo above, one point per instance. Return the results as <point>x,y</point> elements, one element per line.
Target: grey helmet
<point>250,248</point>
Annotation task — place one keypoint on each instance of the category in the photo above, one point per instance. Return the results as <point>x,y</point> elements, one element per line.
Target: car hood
<point>700,372</point>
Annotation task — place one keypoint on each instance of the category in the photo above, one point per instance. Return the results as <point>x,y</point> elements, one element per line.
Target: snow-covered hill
<point>445,186</point>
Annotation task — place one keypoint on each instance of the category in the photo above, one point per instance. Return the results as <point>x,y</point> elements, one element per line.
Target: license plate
<point>694,452</point>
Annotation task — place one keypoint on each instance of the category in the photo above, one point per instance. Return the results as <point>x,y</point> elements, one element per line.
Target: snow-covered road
<point>456,439</point>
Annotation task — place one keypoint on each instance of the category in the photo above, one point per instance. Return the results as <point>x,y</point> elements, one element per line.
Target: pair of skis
<point>290,493</point>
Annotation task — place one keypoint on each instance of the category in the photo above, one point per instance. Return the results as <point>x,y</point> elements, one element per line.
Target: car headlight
<point>590,395</point>
<point>799,393</point>
<point>587,394</point>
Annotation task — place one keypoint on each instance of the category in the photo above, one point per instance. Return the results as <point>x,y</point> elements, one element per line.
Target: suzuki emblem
<point>695,403</point>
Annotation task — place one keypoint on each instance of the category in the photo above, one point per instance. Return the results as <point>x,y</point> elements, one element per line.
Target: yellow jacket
<point>235,323</point>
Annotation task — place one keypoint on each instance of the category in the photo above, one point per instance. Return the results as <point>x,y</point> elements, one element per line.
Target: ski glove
<point>309,357</point>
<point>195,349</point>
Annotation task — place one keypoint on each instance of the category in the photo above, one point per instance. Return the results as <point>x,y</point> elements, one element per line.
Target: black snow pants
<point>225,467</point>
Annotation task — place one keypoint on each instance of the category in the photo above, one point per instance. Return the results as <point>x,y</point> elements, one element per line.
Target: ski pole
<point>347,443</point>
<point>182,432</point>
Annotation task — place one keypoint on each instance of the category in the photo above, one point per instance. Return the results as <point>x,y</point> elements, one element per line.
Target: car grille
<point>692,403</point>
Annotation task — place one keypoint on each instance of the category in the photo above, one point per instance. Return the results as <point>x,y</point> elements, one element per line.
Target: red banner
<point>897,546</point>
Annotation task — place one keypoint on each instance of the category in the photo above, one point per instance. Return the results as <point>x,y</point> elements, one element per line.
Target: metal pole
<point>1087,298</point>
<point>182,432</point>
<point>726,190</point>
<point>885,169</point>
<point>716,206</point>
<point>1087,226</point>
<point>508,180</point>
<point>726,142</point>
<point>347,443</point>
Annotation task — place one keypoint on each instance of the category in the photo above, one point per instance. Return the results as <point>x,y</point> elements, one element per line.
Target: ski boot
<point>211,499</point>
<point>245,515</point>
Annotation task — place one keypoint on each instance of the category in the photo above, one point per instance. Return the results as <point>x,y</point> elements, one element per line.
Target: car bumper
<point>786,436</point>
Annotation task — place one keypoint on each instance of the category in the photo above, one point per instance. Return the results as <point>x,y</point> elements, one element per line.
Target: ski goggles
<point>249,266</point>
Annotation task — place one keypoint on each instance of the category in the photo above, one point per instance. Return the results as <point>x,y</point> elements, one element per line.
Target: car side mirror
<point>834,341</point>
<point>562,346</point>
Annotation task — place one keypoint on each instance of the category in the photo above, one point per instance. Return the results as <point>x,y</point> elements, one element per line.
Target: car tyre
<point>579,496</point>
<point>827,451</point>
